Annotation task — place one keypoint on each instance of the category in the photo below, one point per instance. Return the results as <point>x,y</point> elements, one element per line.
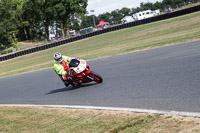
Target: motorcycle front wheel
<point>96,77</point>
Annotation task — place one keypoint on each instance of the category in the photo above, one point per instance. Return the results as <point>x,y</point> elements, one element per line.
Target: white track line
<point>188,114</point>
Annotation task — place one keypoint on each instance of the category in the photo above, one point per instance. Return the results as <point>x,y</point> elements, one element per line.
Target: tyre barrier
<point>127,25</point>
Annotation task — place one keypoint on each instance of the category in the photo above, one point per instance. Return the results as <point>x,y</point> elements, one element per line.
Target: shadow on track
<point>70,88</point>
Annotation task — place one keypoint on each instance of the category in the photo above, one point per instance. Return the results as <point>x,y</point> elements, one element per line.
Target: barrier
<point>131,24</point>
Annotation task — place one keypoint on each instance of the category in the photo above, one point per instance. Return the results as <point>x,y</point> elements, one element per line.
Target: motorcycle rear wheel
<point>97,78</point>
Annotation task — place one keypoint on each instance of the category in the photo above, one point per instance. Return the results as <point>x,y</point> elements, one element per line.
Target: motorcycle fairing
<point>81,67</point>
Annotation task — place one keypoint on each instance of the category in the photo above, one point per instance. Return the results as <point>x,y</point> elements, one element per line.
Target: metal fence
<point>127,25</point>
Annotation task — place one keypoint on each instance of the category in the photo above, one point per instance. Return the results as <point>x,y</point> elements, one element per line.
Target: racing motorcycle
<point>81,73</point>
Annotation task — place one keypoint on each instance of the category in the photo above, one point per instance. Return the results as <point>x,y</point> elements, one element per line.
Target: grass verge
<point>59,120</point>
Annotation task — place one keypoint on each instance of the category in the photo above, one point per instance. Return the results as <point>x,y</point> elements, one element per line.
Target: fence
<point>127,25</point>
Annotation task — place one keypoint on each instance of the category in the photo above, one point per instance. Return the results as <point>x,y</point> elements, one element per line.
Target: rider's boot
<point>65,80</point>
<point>66,83</point>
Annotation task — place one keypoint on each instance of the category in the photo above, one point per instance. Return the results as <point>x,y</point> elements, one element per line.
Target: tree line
<point>32,19</point>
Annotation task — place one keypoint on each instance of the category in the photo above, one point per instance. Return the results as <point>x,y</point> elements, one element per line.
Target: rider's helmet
<point>58,57</point>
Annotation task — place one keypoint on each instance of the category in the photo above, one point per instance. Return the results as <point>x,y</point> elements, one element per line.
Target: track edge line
<point>136,110</point>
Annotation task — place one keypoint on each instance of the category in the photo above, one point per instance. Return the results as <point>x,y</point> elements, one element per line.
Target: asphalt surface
<point>166,78</point>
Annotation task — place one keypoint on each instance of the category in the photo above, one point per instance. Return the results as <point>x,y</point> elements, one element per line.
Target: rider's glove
<point>68,72</point>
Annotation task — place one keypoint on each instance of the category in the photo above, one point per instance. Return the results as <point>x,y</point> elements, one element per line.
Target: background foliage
<point>22,20</point>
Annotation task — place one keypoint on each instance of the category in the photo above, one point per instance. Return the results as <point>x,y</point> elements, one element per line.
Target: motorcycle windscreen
<point>81,67</point>
<point>74,63</point>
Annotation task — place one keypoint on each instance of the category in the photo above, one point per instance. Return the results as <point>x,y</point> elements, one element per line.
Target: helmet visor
<point>59,59</point>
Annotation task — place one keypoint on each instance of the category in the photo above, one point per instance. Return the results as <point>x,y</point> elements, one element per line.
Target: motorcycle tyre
<point>98,78</point>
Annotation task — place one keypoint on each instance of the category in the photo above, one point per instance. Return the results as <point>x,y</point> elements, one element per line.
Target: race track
<point>166,78</point>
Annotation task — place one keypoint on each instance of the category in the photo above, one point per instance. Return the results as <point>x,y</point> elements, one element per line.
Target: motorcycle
<point>81,73</point>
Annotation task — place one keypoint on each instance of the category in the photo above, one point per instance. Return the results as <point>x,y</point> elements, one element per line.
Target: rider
<point>61,66</point>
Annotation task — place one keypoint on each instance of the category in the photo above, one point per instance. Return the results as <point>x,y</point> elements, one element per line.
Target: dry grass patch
<point>38,119</point>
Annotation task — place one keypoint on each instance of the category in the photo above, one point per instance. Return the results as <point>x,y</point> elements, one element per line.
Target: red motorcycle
<point>81,73</point>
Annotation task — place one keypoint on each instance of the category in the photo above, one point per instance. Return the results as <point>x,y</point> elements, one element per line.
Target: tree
<point>22,34</point>
<point>146,6</point>
<point>158,5</point>
<point>167,2</point>
<point>125,12</point>
<point>64,9</point>
<point>104,17</point>
<point>37,16</point>
<point>87,21</point>
<point>75,22</point>
<point>115,16</point>
<point>8,22</point>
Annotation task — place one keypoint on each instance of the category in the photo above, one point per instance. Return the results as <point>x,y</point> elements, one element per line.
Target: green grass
<point>31,120</point>
<point>176,30</point>
<point>58,120</point>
